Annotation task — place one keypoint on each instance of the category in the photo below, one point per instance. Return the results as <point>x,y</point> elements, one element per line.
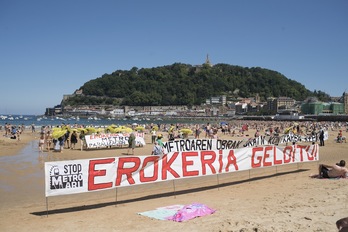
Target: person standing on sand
<point>48,140</point>
<point>153,135</point>
<point>321,137</point>
<point>131,143</point>
<point>207,130</point>
<point>73,139</point>
<point>61,141</point>
<point>82,139</point>
<point>41,142</point>
<point>197,131</point>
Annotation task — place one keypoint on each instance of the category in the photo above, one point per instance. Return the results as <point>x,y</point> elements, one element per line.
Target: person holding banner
<point>159,140</point>
<point>334,171</point>
<point>157,149</point>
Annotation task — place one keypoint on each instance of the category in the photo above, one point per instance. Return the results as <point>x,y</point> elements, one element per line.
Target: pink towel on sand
<point>191,211</point>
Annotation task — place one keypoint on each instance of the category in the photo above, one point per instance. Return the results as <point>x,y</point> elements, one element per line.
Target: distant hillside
<point>183,84</point>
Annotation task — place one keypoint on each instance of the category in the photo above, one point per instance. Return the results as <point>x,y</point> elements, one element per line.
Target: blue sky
<point>51,48</point>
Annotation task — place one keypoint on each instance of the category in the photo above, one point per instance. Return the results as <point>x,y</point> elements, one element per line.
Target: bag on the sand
<point>57,146</point>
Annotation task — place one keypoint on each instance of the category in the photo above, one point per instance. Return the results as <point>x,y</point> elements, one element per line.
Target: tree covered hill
<point>183,84</point>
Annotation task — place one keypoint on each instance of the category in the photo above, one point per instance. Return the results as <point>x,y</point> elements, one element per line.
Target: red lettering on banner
<point>258,157</point>
<point>186,163</point>
<point>121,170</point>
<point>301,147</point>
<point>315,151</point>
<point>276,161</point>
<point>231,159</point>
<point>166,166</point>
<point>207,159</point>
<point>220,161</point>
<point>147,160</point>
<point>287,154</point>
<point>313,154</point>
<point>266,155</point>
<point>92,172</point>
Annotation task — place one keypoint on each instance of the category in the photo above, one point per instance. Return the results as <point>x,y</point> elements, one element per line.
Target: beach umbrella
<point>91,130</point>
<point>127,130</point>
<point>287,130</point>
<point>82,129</point>
<point>186,131</point>
<point>123,129</point>
<point>99,130</point>
<point>111,128</point>
<point>58,133</point>
<point>139,128</point>
<point>56,128</point>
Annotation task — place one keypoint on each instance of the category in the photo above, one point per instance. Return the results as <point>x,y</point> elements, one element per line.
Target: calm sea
<point>38,121</point>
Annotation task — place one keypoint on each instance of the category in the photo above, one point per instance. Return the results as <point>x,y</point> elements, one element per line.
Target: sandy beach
<point>267,199</point>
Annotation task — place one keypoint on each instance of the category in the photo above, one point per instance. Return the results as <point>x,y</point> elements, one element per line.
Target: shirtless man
<point>337,170</point>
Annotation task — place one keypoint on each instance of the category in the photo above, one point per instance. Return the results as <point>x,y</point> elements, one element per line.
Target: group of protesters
<point>48,142</point>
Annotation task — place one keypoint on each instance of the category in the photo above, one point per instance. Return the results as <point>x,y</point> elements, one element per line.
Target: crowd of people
<point>13,131</point>
<point>208,130</point>
<point>69,140</point>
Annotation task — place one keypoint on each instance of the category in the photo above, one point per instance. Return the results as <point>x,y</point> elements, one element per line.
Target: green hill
<point>183,84</point>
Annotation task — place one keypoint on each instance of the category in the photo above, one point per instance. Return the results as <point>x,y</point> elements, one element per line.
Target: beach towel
<point>191,211</point>
<point>179,213</point>
<point>162,213</point>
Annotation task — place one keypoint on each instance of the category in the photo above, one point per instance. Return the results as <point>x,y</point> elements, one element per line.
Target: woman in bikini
<point>48,140</point>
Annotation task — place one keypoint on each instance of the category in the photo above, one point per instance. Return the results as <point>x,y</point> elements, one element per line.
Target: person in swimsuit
<point>41,142</point>
<point>48,140</point>
<point>333,171</point>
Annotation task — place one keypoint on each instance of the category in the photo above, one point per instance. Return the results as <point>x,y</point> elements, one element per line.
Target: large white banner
<point>218,144</point>
<point>88,175</point>
<point>112,139</point>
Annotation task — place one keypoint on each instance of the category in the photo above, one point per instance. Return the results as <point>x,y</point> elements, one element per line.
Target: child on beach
<point>41,142</point>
